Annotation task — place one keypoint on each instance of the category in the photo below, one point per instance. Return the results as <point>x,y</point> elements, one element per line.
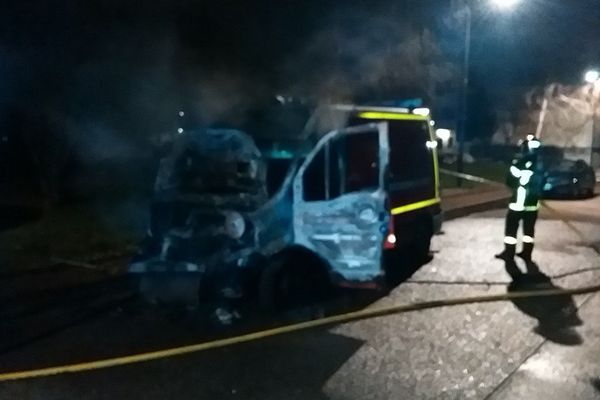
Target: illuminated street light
<point>592,76</point>
<point>505,4</point>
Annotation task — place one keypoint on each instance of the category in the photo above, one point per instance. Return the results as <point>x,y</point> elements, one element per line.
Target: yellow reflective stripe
<point>516,207</point>
<point>415,206</point>
<point>436,167</point>
<point>391,115</point>
<point>510,240</point>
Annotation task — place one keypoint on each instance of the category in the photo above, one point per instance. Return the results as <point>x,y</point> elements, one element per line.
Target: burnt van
<point>230,218</point>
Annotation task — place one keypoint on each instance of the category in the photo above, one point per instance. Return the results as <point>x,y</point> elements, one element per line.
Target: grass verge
<point>74,232</point>
<point>492,170</point>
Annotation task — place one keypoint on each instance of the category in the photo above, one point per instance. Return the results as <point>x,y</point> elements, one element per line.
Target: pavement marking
<point>335,319</point>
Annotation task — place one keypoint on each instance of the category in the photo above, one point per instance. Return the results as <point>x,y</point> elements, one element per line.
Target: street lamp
<point>505,4</point>
<point>592,78</point>
<point>501,4</point>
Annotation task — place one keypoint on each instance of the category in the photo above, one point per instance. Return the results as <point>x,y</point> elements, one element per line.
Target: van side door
<point>340,204</point>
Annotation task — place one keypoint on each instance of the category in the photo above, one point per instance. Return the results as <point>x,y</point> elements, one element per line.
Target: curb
<point>458,212</point>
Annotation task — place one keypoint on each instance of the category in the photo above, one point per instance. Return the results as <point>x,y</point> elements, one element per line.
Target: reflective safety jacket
<point>526,182</point>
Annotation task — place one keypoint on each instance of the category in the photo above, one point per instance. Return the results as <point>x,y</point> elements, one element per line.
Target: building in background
<point>564,117</point>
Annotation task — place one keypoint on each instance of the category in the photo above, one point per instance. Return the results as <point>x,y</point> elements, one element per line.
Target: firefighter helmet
<point>529,147</point>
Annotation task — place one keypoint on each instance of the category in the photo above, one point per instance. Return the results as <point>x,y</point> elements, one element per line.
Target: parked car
<point>568,178</point>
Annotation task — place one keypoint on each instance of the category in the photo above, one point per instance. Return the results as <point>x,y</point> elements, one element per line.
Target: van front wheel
<point>289,283</point>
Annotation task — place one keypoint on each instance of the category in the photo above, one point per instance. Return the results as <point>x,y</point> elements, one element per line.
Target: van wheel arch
<point>293,277</point>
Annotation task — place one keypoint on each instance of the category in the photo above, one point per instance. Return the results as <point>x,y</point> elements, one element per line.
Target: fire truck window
<point>314,178</point>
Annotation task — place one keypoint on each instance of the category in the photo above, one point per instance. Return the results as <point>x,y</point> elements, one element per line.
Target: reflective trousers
<point>513,218</point>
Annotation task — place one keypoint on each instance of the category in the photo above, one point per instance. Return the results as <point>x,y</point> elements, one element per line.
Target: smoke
<point>131,75</point>
<point>219,96</point>
<point>112,85</point>
<point>366,54</point>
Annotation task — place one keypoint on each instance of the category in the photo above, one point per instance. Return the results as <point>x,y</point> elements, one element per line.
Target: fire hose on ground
<point>302,326</point>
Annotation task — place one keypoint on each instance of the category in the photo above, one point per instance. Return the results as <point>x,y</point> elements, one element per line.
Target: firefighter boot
<point>525,254</point>
<point>508,254</point>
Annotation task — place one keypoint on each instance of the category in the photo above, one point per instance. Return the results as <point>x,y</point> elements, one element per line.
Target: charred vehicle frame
<point>216,229</point>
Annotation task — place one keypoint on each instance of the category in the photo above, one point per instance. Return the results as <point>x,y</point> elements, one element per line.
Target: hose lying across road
<point>327,321</point>
<point>323,322</point>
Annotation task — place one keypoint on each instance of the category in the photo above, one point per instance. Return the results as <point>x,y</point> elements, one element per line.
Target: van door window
<point>314,178</point>
<point>359,161</point>
<point>412,161</point>
<point>347,164</point>
<point>411,170</point>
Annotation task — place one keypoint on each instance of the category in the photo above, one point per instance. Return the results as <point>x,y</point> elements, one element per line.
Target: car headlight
<point>235,226</point>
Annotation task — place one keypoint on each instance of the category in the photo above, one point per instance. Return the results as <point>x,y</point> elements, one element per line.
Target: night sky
<point>97,57</point>
<point>541,41</point>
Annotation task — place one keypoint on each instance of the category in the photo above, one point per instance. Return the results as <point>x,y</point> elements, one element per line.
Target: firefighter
<point>526,180</point>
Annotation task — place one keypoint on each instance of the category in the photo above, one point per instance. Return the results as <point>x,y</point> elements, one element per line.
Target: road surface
<point>535,349</point>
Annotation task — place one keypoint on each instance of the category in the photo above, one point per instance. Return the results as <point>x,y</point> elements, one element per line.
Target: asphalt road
<point>536,349</point>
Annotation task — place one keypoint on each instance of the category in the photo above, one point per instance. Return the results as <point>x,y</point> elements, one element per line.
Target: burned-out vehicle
<point>229,220</point>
